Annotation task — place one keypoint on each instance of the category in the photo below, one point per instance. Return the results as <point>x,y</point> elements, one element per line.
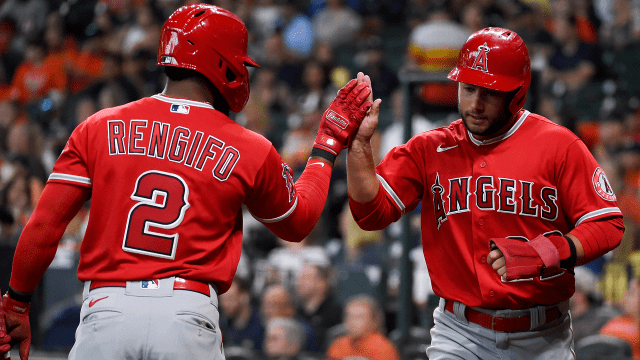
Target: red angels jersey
<point>538,178</point>
<point>168,178</point>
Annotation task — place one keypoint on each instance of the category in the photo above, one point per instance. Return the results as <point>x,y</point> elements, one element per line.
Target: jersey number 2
<point>162,201</point>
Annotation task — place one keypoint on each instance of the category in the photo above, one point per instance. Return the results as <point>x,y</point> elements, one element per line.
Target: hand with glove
<point>4,338</point>
<point>543,256</point>
<point>16,315</point>
<point>341,120</point>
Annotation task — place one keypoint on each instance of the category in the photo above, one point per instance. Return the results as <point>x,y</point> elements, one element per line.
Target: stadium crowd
<point>63,60</point>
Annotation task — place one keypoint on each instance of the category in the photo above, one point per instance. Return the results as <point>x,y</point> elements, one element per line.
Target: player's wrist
<point>324,154</point>
<point>19,296</point>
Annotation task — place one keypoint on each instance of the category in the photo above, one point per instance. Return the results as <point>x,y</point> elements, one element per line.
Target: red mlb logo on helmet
<point>337,119</point>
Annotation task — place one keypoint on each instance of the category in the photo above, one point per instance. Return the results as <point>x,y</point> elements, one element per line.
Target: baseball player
<point>510,203</point>
<point>167,176</point>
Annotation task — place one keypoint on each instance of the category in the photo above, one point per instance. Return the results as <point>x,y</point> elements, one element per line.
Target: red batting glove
<point>16,314</point>
<point>341,120</point>
<point>5,346</point>
<point>528,259</point>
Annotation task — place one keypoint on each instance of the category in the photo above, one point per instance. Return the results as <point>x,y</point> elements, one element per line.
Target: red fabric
<point>201,163</point>
<point>366,215</point>
<point>312,188</point>
<point>38,242</point>
<point>473,192</point>
<point>598,237</point>
<point>525,259</point>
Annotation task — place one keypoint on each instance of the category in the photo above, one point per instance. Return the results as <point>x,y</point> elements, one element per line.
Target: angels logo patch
<point>481,60</point>
<point>602,186</point>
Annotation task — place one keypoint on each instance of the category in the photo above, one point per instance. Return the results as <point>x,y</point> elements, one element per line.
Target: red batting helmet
<point>213,42</point>
<point>497,59</point>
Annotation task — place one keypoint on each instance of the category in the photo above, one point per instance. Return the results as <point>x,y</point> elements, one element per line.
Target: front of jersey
<point>168,178</point>
<point>538,178</point>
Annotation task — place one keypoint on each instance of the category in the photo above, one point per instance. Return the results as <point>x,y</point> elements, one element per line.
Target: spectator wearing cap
<point>317,305</point>
<point>588,312</point>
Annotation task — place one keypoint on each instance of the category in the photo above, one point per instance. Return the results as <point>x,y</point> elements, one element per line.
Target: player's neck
<point>190,89</point>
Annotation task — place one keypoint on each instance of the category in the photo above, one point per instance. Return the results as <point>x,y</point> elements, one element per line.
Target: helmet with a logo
<point>213,42</point>
<point>495,58</point>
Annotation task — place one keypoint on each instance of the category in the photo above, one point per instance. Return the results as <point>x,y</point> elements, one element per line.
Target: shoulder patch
<point>602,186</point>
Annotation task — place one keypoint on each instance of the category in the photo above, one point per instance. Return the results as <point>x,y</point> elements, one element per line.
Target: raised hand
<point>342,119</point>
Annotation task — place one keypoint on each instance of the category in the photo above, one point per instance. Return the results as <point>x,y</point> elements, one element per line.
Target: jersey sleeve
<point>274,196</point>
<point>401,174</point>
<point>584,190</point>
<point>72,165</point>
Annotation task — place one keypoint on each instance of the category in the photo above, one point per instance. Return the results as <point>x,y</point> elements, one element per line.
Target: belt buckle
<point>499,320</point>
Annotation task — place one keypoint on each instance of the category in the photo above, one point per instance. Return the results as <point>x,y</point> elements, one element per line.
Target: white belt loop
<point>458,311</point>
<point>213,294</point>
<point>85,290</point>
<point>538,316</point>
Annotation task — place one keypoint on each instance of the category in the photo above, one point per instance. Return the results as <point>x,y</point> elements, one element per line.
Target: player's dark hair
<point>179,74</point>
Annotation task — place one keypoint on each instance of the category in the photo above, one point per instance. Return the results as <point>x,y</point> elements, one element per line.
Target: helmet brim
<point>490,81</point>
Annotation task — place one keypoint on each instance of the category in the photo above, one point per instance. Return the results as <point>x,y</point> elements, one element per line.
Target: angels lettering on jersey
<point>511,196</point>
<point>490,193</point>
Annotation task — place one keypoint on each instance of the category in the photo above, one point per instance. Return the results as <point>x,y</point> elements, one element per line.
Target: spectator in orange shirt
<point>625,326</point>
<point>38,76</point>
<point>364,321</point>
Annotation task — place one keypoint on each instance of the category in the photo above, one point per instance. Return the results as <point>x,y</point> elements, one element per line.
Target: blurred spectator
<point>284,340</point>
<point>364,322</point>
<point>337,23</point>
<point>29,17</point>
<point>624,28</point>
<point>393,135</point>
<point>573,63</point>
<point>625,326</point>
<point>115,82</point>
<point>38,76</point>
<point>277,302</point>
<point>141,71</point>
<point>239,319</point>
<point>284,263</point>
<point>317,93</point>
<point>433,47</point>
<point>264,18</point>
<point>297,29</point>
<point>588,313</point>
<point>472,17</point>
<point>317,301</point>
<point>360,246</point>
<point>371,60</point>
<point>143,33</point>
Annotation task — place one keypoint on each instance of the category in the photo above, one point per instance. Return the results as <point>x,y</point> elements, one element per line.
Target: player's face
<point>484,111</point>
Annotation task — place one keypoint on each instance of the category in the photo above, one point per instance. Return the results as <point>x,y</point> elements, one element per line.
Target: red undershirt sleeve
<point>598,237</point>
<point>312,189</point>
<point>57,206</point>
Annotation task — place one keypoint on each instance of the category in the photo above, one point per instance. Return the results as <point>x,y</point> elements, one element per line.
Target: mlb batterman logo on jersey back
<point>602,186</point>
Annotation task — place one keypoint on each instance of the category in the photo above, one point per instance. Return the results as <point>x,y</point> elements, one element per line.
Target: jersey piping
<point>279,218</point>
<point>609,210</point>
<point>503,136</point>
<point>390,191</point>
<point>181,101</point>
<point>70,178</point>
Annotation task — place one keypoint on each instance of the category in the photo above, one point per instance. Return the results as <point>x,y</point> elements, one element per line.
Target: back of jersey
<point>168,179</point>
